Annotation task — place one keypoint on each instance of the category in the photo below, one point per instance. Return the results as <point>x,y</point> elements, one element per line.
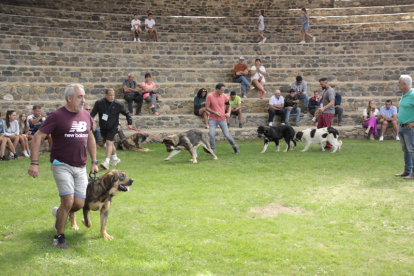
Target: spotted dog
<point>319,136</point>
<point>189,140</point>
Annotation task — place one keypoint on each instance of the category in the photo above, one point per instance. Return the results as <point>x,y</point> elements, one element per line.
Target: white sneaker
<point>302,42</point>
<point>261,42</point>
<point>252,87</point>
<point>26,154</point>
<point>282,124</point>
<point>270,123</point>
<point>29,152</point>
<point>244,96</point>
<point>114,162</point>
<point>382,138</point>
<point>54,213</point>
<point>139,40</point>
<point>264,40</point>
<point>397,138</point>
<point>314,39</point>
<point>11,156</point>
<point>135,39</point>
<point>105,165</point>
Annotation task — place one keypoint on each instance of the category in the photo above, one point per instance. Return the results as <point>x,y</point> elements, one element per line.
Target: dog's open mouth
<point>123,188</point>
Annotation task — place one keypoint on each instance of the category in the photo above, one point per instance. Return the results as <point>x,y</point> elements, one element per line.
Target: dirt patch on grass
<point>276,209</point>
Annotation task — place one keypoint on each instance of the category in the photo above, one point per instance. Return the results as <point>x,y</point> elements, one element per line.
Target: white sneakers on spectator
<point>314,39</point>
<point>264,40</point>
<point>282,124</point>
<point>26,154</point>
<point>302,42</point>
<point>270,123</point>
<point>115,161</point>
<point>135,39</point>
<point>251,87</point>
<point>244,95</point>
<point>381,138</point>
<point>139,40</point>
<point>397,138</point>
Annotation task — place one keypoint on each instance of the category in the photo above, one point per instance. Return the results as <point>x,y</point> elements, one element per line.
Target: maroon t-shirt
<point>69,134</point>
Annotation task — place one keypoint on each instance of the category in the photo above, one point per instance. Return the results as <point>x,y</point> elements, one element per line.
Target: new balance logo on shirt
<point>77,127</point>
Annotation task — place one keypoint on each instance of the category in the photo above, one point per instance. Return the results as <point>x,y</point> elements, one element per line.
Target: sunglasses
<point>88,109</point>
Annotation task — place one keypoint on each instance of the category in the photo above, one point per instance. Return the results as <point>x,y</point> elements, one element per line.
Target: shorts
<point>234,114</point>
<point>109,134</point>
<point>197,112</point>
<point>255,78</point>
<point>70,180</point>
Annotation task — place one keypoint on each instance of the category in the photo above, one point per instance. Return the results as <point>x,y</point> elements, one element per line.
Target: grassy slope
<point>353,216</point>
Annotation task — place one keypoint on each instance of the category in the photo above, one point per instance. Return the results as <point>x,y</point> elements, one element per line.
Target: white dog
<point>318,136</point>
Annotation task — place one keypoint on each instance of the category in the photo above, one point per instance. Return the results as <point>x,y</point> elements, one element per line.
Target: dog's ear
<point>110,178</point>
<point>299,136</point>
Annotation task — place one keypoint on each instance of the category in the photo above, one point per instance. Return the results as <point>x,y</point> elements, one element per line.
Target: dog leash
<point>140,131</point>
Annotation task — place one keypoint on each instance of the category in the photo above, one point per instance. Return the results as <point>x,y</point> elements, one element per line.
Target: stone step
<point>326,33</point>
<point>276,13</point>
<point>369,3</point>
<point>35,92</point>
<point>186,105</point>
<point>173,24</point>
<point>79,59</point>
<point>176,8</point>
<point>46,74</point>
<point>55,44</point>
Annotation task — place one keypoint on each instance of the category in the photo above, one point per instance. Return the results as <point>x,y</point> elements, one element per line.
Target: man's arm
<point>92,151</point>
<point>35,121</point>
<point>128,116</point>
<point>95,109</point>
<point>35,149</point>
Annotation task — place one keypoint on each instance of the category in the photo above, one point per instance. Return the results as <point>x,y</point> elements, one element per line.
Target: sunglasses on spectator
<point>88,109</point>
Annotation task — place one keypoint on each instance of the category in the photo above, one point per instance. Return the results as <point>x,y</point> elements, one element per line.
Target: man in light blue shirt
<point>389,114</point>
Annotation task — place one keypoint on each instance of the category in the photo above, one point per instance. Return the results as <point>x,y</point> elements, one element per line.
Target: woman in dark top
<point>200,105</point>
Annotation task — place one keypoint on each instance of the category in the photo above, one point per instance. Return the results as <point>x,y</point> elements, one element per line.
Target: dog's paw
<point>303,150</point>
<point>191,160</point>
<point>215,158</point>
<point>285,151</point>
<point>262,152</point>
<point>74,227</point>
<point>166,159</point>
<point>106,236</point>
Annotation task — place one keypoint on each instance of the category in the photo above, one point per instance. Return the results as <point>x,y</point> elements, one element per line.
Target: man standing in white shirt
<point>136,27</point>
<point>276,106</point>
<point>150,26</point>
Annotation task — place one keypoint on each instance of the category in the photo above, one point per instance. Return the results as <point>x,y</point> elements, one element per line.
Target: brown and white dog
<point>189,140</point>
<point>133,142</point>
<point>99,195</point>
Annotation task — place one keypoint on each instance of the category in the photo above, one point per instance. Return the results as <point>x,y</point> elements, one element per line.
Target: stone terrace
<point>362,47</point>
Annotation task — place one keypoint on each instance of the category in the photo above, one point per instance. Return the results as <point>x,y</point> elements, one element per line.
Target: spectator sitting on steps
<point>4,141</point>
<point>150,26</point>
<point>136,27</point>
<point>301,88</point>
<point>291,106</point>
<point>370,119</point>
<point>389,114</point>
<point>235,105</point>
<point>257,73</point>
<point>131,94</point>
<point>200,105</point>
<point>12,131</point>
<point>149,93</point>
<point>35,122</point>
<point>239,76</point>
<point>338,108</point>
<point>314,104</point>
<point>276,107</point>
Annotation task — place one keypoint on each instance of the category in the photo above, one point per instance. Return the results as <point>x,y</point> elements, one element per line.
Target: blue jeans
<point>96,134</point>
<point>305,102</point>
<point>244,82</point>
<point>294,110</point>
<point>212,131</point>
<point>407,143</point>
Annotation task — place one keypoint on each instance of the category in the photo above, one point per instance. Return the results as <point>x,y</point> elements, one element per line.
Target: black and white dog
<point>275,134</point>
<point>318,136</point>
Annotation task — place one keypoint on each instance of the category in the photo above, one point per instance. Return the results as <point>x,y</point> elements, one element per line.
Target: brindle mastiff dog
<point>189,140</point>
<point>99,196</point>
<point>133,142</point>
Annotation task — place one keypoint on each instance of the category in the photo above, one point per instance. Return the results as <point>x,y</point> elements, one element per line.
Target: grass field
<point>295,213</point>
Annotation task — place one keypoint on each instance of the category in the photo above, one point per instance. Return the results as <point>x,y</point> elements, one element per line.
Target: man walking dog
<point>71,130</point>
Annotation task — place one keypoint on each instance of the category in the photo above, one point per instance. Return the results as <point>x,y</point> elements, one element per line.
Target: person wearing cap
<point>235,105</point>
<point>301,88</point>
<point>276,107</point>
<point>200,105</point>
<point>239,76</point>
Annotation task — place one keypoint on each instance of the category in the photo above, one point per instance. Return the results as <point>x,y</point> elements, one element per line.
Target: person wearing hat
<point>239,76</point>
<point>200,105</point>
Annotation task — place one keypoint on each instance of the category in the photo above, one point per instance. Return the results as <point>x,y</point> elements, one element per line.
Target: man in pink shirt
<point>215,104</point>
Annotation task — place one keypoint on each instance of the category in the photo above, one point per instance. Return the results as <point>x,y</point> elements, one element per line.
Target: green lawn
<point>293,213</point>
